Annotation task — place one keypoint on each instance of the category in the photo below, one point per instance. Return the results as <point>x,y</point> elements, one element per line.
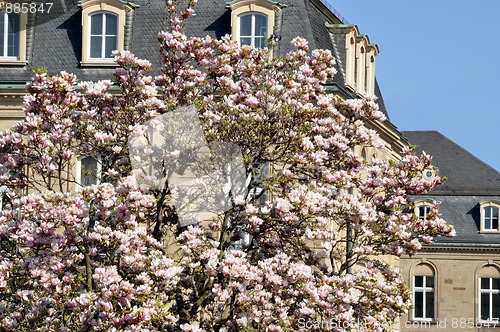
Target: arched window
<point>364,155</point>
<point>424,293</point>
<point>489,293</point>
<point>253,29</point>
<point>103,35</point>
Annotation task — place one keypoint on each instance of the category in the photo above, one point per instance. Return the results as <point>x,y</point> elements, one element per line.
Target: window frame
<point>350,66</point>
<point>21,47</point>
<point>490,205</point>
<point>103,36</point>
<point>423,211</point>
<point>424,290</point>
<point>78,170</point>
<point>371,54</point>
<point>253,29</point>
<point>490,291</point>
<point>4,190</point>
<point>92,7</point>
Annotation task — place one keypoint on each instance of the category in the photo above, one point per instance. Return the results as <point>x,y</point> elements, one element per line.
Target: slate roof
<point>54,40</point>
<point>466,173</point>
<point>463,212</point>
<point>470,182</point>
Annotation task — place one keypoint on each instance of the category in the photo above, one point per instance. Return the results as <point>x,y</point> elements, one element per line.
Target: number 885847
<point>25,7</point>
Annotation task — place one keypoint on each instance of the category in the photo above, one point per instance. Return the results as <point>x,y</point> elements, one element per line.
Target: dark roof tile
<point>466,174</point>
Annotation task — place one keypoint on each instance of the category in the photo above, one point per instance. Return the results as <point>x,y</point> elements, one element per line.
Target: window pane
<point>429,282</point>
<point>260,26</point>
<point>429,305</point>
<point>111,45</point>
<point>496,306</point>
<point>260,42</point>
<point>487,223</point>
<point>423,211</point>
<point>419,281</point>
<point>2,22</point>
<point>485,283</point>
<point>245,25</point>
<point>88,171</point>
<point>495,283</point>
<point>111,25</point>
<point>96,24</point>
<point>485,306</point>
<point>419,305</point>
<point>95,47</point>
<point>246,41</point>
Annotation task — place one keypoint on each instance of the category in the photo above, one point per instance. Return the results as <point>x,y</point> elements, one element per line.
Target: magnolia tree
<point>302,245</point>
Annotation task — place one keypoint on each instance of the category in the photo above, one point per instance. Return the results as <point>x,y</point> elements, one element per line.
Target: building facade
<point>456,281</point>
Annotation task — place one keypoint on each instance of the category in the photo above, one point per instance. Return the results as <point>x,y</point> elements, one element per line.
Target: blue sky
<point>438,67</point>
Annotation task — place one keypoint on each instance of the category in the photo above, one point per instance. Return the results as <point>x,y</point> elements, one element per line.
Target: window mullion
<point>103,36</point>
<point>424,298</point>
<point>5,40</point>
<point>491,293</point>
<point>252,32</point>
<point>490,307</point>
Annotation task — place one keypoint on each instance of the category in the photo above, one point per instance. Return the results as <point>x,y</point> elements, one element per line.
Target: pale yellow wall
<point>10,108</point>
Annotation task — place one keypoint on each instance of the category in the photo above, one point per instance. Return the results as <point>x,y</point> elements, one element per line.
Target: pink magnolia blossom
<point>111,257</point>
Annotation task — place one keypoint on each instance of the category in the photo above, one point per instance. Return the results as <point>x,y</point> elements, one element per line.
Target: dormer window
<point>370,68</point>
<point>12,38</point>
<point>103,30</point>
<point>489,217</point>
<point>423,208</point>
<point>360,58</point>
<point>361,42</point>
<point>253,30</point>
<point>252,21</point>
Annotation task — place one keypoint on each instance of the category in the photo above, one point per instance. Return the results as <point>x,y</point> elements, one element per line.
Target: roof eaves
<point>335,87</point>
<point>274,3</point>
<point>13,86</point>
<point>341,28</point>
<point>462,193</point>
<point>129,3</point>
